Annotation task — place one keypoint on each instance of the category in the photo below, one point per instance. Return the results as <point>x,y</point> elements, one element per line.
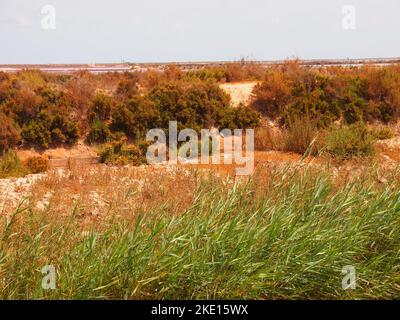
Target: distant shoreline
<point>131,66</point>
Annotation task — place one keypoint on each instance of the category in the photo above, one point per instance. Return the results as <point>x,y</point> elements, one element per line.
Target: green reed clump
<point>285,239</point>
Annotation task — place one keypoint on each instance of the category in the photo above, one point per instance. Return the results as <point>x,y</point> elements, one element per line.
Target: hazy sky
<point>89,31</point>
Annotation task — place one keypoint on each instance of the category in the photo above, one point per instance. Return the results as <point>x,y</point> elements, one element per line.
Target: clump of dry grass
<point>268,138</point>
<point>95,191</point>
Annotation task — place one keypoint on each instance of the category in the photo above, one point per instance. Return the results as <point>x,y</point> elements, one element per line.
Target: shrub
<point>58,129</point>
<point>101,107</point>
<point>9,134</point>
<point>245,117</point>
<point>272,95</point>
<point>37,133</point>
<point>173,72</point>
<point>143,116</point>
<point>37,164</point>
<point>57,135</point>
<point>51,95</point>
<point>350,141</point>
<point>353,111</point>
<point>72,132</point>
<point>128,87</point>
<point>151,78</point>
<point>47,110</point>
<point>120,153</point>
<point>99,132</point>
<point>11,166</point>
<point>26,105</point>
<point>210,73</point>
<point>135,117</point>
<point>124,120</point>
<point>199,105</point>
<point>364,94</point>
<point>234,72</point>
<point>44,131</point>
<point>168,99</point>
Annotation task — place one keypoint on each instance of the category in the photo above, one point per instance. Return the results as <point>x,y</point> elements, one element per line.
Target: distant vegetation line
<point>127,66</point>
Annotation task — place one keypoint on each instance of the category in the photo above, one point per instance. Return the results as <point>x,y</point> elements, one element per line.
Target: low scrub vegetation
<point>118,152</point>
<point>350,141</point>
<point>330,94</point>
<point>341,143</point>
<point>43,111</point>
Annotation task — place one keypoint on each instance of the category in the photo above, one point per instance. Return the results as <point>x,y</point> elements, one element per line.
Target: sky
<point>100,31</point>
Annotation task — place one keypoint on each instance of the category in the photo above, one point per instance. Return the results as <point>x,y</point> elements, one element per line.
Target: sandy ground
<point>240,92</point>
<point>78,150</point>
<point>96,184</point>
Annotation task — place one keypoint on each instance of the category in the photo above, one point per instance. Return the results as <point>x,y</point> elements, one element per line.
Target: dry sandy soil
<point>78,150</point>
<point>240,92</point>
<point>95,188</point>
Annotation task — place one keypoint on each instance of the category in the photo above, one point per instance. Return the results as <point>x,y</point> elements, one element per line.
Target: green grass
<point>289,238</point>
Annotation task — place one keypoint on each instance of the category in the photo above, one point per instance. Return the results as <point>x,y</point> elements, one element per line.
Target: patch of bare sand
<point>240,92</point>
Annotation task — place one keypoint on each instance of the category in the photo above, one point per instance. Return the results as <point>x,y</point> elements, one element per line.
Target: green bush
<point>135,117</point>
<point>120,153</point>
<point>99,132</point>
<point>51,95</point>
<point>63,131</point>
<point>123,120</point>
<point>37,133</point>
<point>101,107</point>
<point>72,132</point>
<point>45,131</point>
<point>353,111</point>
<point>350,141</point>
<point>200,105</point>
<point>211,73</point>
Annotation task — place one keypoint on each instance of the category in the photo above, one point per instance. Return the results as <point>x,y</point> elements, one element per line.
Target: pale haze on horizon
<point>96,31</point>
